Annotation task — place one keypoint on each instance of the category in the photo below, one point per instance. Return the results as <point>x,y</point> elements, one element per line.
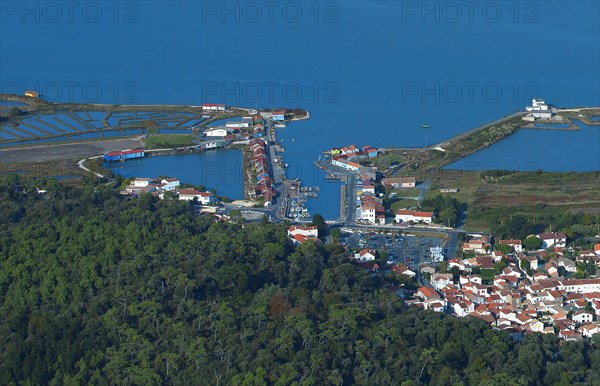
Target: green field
<point>406,192</point>
<point>168,141</point>
<point>383,162</point>
<point>401,204</point>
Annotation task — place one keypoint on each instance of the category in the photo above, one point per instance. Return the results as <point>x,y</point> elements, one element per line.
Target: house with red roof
<point>427,293</point>
<point>205,198</point>
<point>308,231</point>
<point>556,239</point>
<point>404,215</point>
<point>365,255</point>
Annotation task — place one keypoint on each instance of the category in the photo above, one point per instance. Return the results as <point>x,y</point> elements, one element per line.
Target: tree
<point>335,235</point>
<point>320,223</point>
<point>505,249</point>
<point>532,243</point>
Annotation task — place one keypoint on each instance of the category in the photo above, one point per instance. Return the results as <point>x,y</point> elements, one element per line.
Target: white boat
<point>280,125</point>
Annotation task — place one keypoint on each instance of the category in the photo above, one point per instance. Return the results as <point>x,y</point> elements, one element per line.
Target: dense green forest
<point>98,289</point>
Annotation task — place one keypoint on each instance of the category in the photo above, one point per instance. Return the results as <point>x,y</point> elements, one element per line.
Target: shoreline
<point>432,157</point>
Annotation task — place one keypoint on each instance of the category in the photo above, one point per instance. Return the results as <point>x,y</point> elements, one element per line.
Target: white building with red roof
<point>555,239</point>
<point>307,231</point>
<point>204,198</point>
<point>404,215</point>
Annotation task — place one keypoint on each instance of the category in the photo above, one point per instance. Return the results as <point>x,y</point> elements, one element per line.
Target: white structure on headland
<point>538,110</point>
<point>537,105</point>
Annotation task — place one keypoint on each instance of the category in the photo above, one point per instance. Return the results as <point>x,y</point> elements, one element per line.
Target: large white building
<point>404,215</point>
<point>553,240</point>
<point>204,198</point>
<point>301,234</point>
<point>217,131</point>
<point>237,125</point>
<point>213,107</point>
<point>346,164</point>
<point>537,104</point>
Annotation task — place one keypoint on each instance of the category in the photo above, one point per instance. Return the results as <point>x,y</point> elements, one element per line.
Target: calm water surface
<point>369,72</point>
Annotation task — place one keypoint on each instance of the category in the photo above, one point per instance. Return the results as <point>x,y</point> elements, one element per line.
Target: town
<point>395,223</point>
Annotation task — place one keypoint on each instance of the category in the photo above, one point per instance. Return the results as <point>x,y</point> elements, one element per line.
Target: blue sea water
<point>368,72</point>
<point>531,149</point>
<point>218,169</point>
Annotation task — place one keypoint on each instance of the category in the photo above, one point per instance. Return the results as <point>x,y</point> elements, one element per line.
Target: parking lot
<point>410,250</point>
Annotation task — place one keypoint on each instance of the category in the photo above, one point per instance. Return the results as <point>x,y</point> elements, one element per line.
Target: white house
<point>307,231</point>
<point>463,308</point>
<point>204,198</point>
<point>553,239</point>
<point>141,182</point>
<point>403,215</point>
<point>169,184</point>
<point>365,255</point>
<point>213,107</point>
<point>346,164</point>
<point>537,104</point>
<point>589,329</point>
<point>278,115</point>
<point>440,280</point>
<point>403,270</point>
<point>579,285</point>
<point>582,317</point>
<point>237,125</point>
<point>219,131</point>
<point>367,213</point>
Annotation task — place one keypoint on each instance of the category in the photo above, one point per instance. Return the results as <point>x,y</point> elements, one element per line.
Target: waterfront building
<point>348,165</point>
<point>220,131</point>
<point>278,116</point>
<point>537,104</point>
<point>169,184</point>
<point>538,110</point>
<point>238,125</point>
<point>205,198</point>
<point>369,151</point>
<point>212,144</point>
<point>124,154</point>
<point>213,107</point>
<point>32,94</point>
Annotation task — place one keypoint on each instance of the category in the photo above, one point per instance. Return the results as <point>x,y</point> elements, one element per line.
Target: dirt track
<point>41,153</point>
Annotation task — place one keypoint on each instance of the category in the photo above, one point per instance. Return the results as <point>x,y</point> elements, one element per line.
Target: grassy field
<point>401,204</point>
<point>168,141</point>
<point>384,161</point>
<point>528,193</point>
<point>406,192</point>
